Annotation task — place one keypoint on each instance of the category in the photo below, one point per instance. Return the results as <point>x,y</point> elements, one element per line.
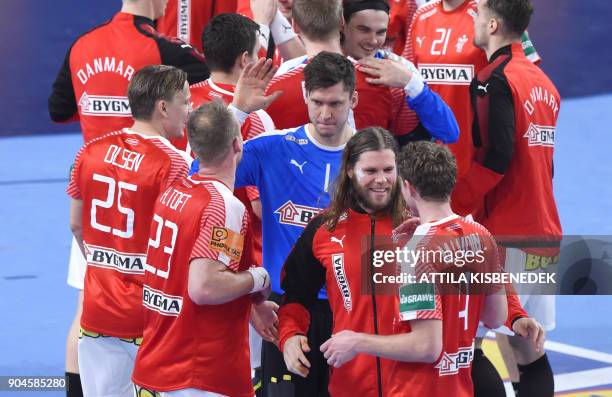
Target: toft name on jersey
<point>174,199</point>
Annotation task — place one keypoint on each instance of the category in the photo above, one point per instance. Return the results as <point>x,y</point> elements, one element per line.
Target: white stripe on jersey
<point>165,141</point>
<point>234,213</point>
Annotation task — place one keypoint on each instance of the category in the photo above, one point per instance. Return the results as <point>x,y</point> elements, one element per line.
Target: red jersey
<point>255,124</point>
<point>399,22</point>
<point>117,177</point>
<point>440,44</point>
<point>336,259</point>
<point>509,187</point>
<point>186,345</point>
<point>186,19</point>
<point>92,84</point>
<point>377,106</point>
<point>450,375</point>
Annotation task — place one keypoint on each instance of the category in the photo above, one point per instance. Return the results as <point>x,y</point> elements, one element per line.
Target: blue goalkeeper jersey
<point>294,175</point>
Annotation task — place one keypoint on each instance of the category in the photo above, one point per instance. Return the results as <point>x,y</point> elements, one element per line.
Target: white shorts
<point>76,266</point>
<point>106,364</point>
<point>141,392</point>
<point>254,347</point>
<point>540,307</point>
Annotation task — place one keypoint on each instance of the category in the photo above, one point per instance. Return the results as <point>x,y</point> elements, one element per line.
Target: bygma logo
<point>343,285</point>
<point>294,214</point>
<point>97,105</point>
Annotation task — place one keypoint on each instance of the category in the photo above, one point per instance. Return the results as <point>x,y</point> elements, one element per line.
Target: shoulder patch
<point>227,241</point>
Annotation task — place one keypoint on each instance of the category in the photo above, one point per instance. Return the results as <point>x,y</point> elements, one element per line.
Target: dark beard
<point>361,197</point>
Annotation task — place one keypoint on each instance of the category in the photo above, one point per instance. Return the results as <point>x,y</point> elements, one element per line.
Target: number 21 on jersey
<point>439,45</point>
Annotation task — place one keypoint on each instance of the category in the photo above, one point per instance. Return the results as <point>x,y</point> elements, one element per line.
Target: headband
<point>352,8</point>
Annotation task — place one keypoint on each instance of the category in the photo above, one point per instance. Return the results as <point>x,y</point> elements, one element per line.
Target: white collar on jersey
<point>320,145</point>
<point>165,141</point>
<point>218,89</point>
<point>424,228</point>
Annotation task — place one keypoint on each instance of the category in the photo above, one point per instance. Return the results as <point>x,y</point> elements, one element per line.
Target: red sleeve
<point>178,169</point>
<point>515,310</point>
<point>293,320</point>
<point>408,51</point>
<point>252,193</point>
<point>471,189</point>
<point>400,18</point>
<point>73,189</point>
<point>404,119</point>
<point>216,240</point>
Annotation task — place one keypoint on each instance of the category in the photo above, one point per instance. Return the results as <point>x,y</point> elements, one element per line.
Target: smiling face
<point>365,33</point>
<point>374,179</point>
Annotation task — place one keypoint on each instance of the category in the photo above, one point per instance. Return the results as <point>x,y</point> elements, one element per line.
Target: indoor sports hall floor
<point>36,305</point>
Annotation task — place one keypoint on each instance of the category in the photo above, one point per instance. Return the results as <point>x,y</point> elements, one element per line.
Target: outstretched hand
<point>249,94</point>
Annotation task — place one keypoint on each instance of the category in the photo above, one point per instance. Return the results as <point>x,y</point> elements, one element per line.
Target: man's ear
<point>244,59</point>
<point>493,26</point>
<point>296,28</point>
<point>350,172</point>
<point>354,99</point>
<point>162,107</point>
<point>237,144</point>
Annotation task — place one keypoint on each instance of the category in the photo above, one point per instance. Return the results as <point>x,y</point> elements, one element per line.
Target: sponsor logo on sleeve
<point>227,242</point>
<point>343,284</point>
<point>415,298</point>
